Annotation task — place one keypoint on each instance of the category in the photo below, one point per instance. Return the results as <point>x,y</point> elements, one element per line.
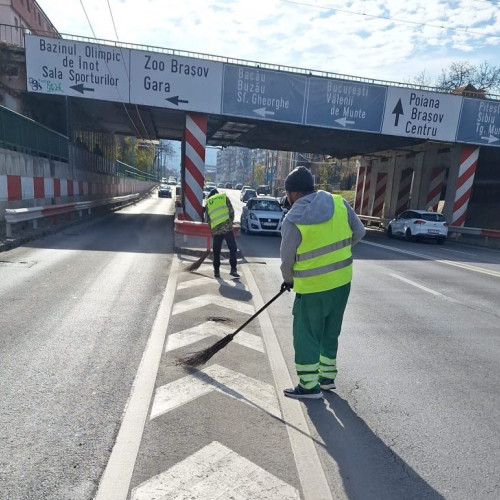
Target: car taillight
<point>419,222</point>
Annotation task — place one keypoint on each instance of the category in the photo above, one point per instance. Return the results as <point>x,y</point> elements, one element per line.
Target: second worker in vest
<point>316,261</point>
<point>220,214</point>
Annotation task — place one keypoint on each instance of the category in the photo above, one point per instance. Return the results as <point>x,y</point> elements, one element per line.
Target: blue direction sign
<point>345,105</point>
<point>263,94</point>
<point>479,122</point>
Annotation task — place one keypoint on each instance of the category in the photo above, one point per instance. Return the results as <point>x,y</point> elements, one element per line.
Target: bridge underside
<point>162,123</point>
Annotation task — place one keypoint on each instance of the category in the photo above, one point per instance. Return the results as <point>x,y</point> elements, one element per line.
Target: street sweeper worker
<point>316,261</point>
<point>220,215</point>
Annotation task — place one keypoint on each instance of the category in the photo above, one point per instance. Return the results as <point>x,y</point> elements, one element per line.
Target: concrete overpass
<point>414,143</point>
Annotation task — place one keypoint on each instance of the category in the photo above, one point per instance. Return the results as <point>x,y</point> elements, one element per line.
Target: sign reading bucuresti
<point>106,72</point>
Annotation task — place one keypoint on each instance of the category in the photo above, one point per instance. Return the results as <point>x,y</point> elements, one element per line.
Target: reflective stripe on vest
<point>324,258</point>
<point>217,209</point>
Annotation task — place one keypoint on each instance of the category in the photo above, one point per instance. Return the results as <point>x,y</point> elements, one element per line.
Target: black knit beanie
<point>299,180</point>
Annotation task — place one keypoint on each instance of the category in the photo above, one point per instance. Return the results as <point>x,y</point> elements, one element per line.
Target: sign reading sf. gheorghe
<point>65,67</point>
<point>263,94</point>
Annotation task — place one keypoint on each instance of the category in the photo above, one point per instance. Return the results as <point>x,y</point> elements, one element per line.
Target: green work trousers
<point>317,321</point>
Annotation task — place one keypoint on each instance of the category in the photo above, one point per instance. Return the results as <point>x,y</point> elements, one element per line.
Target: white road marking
<point>311,474</point>
<point>463,265</point>
<point>209,329</point>
<point>213,472</point>
<point>205,280</point>
<point>424,288</point>
<point>215,378</point>
<point>197,282</point>
<point>209,299</point>
<point>458,251</point>
<point>115,481</point>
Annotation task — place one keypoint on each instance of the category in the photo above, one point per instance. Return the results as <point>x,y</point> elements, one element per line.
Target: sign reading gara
<point>77,69</point>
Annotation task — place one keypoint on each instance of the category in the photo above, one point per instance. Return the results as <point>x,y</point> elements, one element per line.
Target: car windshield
<point>433,217</point>
<point>266,205</point>
<point>164,186</point>
<point>249,193</point>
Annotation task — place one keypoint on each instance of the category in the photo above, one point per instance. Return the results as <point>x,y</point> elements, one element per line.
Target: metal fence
<point>19,133</point>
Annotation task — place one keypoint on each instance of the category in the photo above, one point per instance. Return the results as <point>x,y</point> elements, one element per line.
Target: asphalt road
<point>416,413</point>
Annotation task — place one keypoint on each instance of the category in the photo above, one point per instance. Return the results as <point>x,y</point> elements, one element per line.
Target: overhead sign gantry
<point>111,73</point>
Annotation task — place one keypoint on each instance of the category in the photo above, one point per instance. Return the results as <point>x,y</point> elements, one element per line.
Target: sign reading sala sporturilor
<point>66,67</point>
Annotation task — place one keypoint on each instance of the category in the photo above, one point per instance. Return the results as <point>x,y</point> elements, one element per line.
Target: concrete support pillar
<point>379,195</point>
<point>360,182</point>
<point>461,178</point>
<point>404,190</point>
<point>389,201</point>
<point>193,178</point>
<point>415,188</point>
<point>366,190</point>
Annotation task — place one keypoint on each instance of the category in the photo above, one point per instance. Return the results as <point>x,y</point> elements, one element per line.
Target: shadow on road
<point>369,468</point>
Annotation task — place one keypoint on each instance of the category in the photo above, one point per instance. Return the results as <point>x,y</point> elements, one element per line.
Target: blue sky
<point>390,40</point>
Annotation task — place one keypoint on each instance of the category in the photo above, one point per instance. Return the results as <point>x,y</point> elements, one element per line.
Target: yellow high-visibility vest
<point>324,257</point>
<point>217,209</point>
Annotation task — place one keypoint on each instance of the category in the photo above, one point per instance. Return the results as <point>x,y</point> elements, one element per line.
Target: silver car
<point>262,215</point>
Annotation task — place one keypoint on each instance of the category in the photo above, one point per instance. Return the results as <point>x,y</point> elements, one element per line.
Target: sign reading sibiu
<point>421,114</point>
<point>263,94</point>
<point>479,122</point>
<point>65,67</point>
<point>345,105</point>
<point>175,82</point>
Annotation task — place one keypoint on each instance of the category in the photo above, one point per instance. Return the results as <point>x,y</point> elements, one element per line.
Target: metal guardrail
<point>15,215</point>
<point>19,133</point>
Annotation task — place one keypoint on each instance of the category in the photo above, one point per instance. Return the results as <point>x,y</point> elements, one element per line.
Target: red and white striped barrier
<point>359,189</point>
<point>380,189</point>
<point>404,190</point>
<point>435,188</point>
<point>366,190</point>
<point>467,170</point>
<point>196,139</point>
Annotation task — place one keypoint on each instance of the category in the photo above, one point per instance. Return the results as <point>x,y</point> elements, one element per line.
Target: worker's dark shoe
<point>301,393</point>
<point>234,273</point>
<point>327,384</point>
<point>216,274</point>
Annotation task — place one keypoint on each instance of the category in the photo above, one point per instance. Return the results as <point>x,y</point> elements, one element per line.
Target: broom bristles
<point>201,357</point>
<point>195,265</point>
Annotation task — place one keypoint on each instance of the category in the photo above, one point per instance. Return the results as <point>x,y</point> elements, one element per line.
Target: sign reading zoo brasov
<point>65,67</point>
<point>176,82</point>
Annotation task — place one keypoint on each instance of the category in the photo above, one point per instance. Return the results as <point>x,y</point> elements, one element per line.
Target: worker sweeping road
<point>316,261</point>
<point>220,214</point>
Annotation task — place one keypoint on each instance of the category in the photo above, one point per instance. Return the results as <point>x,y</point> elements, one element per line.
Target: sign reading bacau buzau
<point>421,114</point>
<point>176,82</point>
<point>65,67</point>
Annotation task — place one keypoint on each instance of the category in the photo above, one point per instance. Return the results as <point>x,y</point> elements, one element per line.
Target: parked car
<point>238,186</point>
<point>262,214</point>
<point>220,185</point>
<point>415,225</point>
<point>164,191</point>
<point>228,185</point>
<point>247,194</point>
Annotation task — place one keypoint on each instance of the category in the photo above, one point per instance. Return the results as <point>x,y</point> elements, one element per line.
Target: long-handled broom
<point>196,264</point>
<point>201,357</point>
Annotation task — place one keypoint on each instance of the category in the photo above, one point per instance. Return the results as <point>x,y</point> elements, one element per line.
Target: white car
<point>415,225</point>
<point>263,215</point>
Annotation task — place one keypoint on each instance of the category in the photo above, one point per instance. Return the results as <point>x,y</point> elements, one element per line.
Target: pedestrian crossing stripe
<point>211,299</point>
<point>215,378</point>
<point>209,329</point>
<point>215,471</point>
